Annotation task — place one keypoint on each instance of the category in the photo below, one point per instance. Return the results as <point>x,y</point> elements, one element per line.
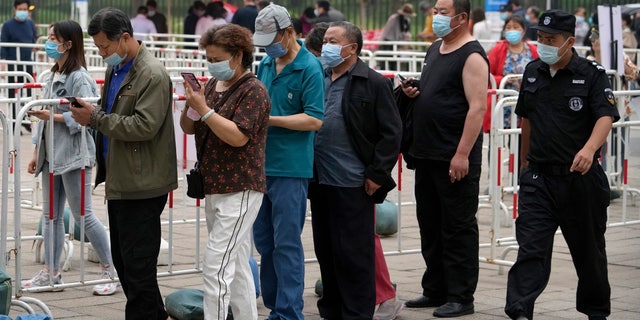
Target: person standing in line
<point>69,78</point>
<point>246,16</point>
<point>427,34</point>
<point>326,13</point>
<point>18,29</point>
<point>136,155</point>
<point>159,20</point>
<point>532,19</point>
<point>230,135</point>
<point>293,77</point>
<point>452,91</point>
<point>191,20</point>
<point>213,16</point>
<point>355,150</point>
<point>142,26</point>
<point>388,305</point>
<point>509,56</point>
<point>582,25</point>
<point>567,109</point>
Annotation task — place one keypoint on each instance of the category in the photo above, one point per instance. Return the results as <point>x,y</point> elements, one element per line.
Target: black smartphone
<point>73,102</point>
<point>191,79</point>
<point>412,83</point>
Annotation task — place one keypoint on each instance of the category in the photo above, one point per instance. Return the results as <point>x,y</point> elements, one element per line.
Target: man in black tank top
<point>449,105</point>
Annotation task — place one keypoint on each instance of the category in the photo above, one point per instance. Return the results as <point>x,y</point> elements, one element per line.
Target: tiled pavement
<point>557,302</point>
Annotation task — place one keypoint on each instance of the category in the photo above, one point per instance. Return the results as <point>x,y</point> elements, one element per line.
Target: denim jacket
<point>68,153</point>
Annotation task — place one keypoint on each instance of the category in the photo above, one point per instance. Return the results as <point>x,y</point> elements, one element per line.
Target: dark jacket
<point>374,125</point>
<point>141,162</point>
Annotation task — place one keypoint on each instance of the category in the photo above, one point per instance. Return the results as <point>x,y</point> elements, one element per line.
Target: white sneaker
<point>42,279</point>
<point>105,289</point>
<point>388,310</point>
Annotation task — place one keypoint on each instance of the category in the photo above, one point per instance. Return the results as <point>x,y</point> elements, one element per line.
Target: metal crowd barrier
<point>17,300</point>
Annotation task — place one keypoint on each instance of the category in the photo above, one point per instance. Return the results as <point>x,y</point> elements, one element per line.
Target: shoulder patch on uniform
<point>610,97</point>
<point>598,66</point>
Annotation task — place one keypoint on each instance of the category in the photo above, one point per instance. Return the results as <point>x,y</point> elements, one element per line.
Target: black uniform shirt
<point>562,110</point>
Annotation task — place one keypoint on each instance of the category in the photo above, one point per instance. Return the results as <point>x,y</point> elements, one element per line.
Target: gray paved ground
<point>557,302</point>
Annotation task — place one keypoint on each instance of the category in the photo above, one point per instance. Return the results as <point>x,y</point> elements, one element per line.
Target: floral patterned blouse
<point>515,63</point>
<point>225,168</point>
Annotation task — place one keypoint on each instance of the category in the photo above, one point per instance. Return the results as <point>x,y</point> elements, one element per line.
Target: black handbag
<point>195,183</point>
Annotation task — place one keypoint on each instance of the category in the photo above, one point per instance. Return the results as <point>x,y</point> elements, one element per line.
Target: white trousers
<point>227,275</point>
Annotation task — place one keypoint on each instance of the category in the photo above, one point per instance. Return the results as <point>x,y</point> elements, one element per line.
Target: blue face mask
<point>115,59</point>
<point>51,48</point>
<point>503,16</point>
<point>513,36</point>
<point>579,19</point>
<point>276,50</point>
<point>331,55</point>
<point>221,70</point>
<point>525,17</point>
<point>315,12</point>
<point>442,25</point>
<point>22,15</point>
<point>549,54</point>
<point>590,20</point>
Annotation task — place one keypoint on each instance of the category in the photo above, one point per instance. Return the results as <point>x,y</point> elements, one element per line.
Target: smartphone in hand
<point>73,102</point>
<point>408,83</point>
<point>191,79</point>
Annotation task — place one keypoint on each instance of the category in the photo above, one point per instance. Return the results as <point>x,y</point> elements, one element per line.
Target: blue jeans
<point>276,233</point>
<point>67,187</point>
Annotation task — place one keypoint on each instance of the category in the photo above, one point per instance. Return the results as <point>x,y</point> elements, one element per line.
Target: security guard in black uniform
<point>567,107</point>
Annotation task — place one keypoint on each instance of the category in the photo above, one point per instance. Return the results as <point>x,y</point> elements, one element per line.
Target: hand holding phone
<point>408,82</point>
<point>191,79</point>
<point>73,102</point>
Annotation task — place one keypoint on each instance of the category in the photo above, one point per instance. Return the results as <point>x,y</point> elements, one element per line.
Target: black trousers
<point>135,243</point>
<point>578,205</point>
<point>343,238</point>
<point>446,215</point>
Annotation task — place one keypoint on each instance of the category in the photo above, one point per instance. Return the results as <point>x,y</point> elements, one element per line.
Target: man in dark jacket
<point>355,150</point>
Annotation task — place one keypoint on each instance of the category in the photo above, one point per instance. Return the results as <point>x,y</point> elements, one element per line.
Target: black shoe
<point>424,302</point>
<point>597,318</point>
<point>453,309</point>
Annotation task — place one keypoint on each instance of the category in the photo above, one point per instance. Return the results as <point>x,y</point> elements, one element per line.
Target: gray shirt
<point>336,160</point>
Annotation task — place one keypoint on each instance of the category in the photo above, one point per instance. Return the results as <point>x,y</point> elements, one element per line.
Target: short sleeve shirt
<point>225,168</point>
<point>298,88</point>
<point>562,110</point>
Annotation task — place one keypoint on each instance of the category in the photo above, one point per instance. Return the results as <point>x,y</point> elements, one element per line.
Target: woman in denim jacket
<point>70,154</point>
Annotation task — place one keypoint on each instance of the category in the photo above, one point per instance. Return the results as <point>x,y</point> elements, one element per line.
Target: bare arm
<point>474,79</point>
<point>222,127</point>
<point>299,121</point>
<point>584,158</point>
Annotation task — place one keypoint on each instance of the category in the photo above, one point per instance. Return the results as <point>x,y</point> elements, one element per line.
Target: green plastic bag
<point>5,292</point>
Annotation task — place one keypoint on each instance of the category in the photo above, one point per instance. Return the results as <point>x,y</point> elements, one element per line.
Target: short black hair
<point>461,6</point>
<point>198,4</point>
<point>627,19</point>
<point>152,3</point>
<point>143,10</point>
<point>351,32</point>
<point>297,25</point>
<point>324,4</point>
<point>19,2</point>
<point>113,22</point>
